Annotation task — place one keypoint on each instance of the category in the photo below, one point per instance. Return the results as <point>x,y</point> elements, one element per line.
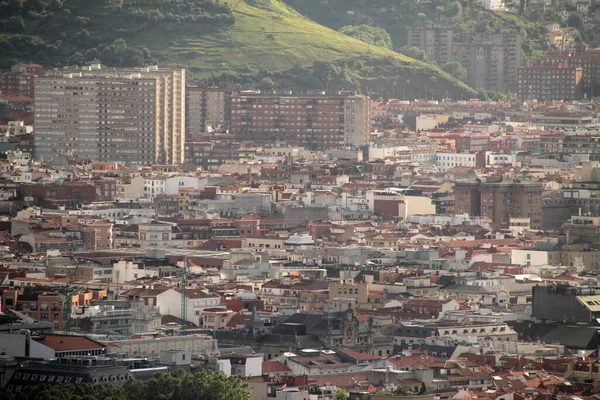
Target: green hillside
<point>465,17</point>
<point>243,41</point>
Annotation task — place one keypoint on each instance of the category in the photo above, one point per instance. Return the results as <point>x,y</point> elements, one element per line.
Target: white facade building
<point>447,161</point>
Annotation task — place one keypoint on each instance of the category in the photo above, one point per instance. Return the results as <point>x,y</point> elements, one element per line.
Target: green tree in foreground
<point>179,385</point>
<point>340,394</point>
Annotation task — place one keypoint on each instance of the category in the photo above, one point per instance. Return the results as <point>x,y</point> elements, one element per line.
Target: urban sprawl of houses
<point>305,242</point>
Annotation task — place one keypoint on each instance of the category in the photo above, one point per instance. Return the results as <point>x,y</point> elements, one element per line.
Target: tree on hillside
<point>371,34</point>
<point>456,70</point>
<point>416,53</point>
<point>131,57</point>
<point>266,85</point>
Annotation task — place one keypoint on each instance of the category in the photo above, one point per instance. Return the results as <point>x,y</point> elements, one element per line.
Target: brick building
<point>21,79</point>
<point>547,82</point>
<point>588,61</point>
<point>316,122</point>
<point>70,194</point>
<point>500,201</point>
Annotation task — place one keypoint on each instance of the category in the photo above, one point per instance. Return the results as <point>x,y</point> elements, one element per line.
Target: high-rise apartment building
<point>316,122</point>
<point>435,41</point>
<point>207,108</point>
<point>131,116</point>
<point>547,82</point>
<point>492,61</point>
<point>501,201</point>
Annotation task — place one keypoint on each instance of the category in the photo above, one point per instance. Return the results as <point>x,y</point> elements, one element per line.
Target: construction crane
<point>184,297</point>
<point>66,306</point>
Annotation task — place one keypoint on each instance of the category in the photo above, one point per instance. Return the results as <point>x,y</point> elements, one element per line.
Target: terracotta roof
<point>274,366</point>
<point>69,343</point>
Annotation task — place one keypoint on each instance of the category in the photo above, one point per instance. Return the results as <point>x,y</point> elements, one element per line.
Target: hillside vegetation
<point>465,17</point>
<point>242,41</point>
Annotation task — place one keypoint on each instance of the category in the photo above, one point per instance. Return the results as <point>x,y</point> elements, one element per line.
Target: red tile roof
<point>69,343</point>
<point>274,366</point>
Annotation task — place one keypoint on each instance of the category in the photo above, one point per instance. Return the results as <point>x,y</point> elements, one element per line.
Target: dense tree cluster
<point>370,34</point>
<point>179,385</point>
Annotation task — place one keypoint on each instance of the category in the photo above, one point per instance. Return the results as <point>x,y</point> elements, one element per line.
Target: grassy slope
<point>267,35</point>
<point>396,16</point>
<point>270,35</point>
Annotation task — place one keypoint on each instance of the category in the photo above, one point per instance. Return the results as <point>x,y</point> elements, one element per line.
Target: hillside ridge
<point>242,41</point>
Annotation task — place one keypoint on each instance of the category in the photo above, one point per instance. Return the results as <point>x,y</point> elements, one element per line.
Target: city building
<point>207,108</point>
<point>500,201</point>
<point>582,144</point>
<point>547,82</point>
<point>492,61</point>
<point>316,122</point>
<point>20,79</point>
<point>587,60</point>
<point>131,116</point>
<point>391,204</point>
<point>435,41</point>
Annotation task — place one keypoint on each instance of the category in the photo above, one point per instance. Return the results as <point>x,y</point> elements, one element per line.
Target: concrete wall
<point>195,344</point>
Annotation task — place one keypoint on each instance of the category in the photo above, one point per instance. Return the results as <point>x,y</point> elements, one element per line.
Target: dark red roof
<point>69,343</point>
<point>274,366</point>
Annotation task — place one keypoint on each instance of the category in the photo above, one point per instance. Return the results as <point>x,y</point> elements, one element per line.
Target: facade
<point>582,144</point>
<point>500,201</point>
<point>446,161</point>
<point>435,41</point>
<point>391,205</point>
<point>492,61</point>
<point>21,78</point>
<point>547,82</point>
<point>316,122</point>
<point>207,108</point>
<point>565,304</point>
<point>131,116</point>
<point>588,61</point>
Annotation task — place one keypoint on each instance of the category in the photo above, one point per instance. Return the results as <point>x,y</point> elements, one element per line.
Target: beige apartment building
<point>130,116</point>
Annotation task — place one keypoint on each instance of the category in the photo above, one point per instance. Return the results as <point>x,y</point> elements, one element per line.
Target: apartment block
<point>583,144</point>
<point>501,201</point>
<point>492,61</point>
<point>548,82</point>
<point>315,122</point>
<point>588,61</point>
<point>20,79</point>
<point>130,116</point>
<point>435,41</point>
<point>207,108</point>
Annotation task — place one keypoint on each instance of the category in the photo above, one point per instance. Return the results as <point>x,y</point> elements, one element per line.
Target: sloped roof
<point>69,343</point>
